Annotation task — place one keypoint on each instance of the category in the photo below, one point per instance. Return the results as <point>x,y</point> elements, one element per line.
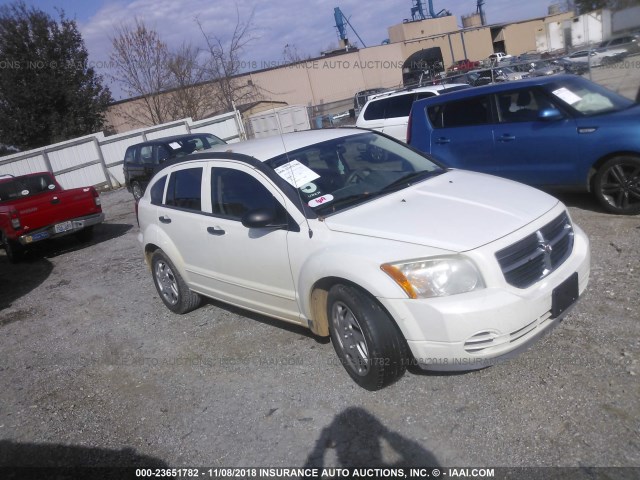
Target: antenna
<point>291,171</point>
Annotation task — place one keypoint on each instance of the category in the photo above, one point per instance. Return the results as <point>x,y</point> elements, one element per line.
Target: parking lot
<point>95,370</point>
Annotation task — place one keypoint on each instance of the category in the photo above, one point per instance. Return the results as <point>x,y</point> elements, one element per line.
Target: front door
<point>248,267</point>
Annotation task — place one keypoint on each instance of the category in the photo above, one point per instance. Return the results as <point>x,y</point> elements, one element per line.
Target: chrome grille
<point>537,255</point>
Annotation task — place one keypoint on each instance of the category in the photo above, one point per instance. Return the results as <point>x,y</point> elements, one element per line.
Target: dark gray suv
<point>141,159</point>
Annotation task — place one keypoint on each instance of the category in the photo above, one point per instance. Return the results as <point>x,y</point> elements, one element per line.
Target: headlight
<point>435,277</point>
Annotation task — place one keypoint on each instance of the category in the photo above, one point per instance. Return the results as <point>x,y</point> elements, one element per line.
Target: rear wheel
<point>137,191</point>
<point>173,291</point>
<point>366,340</point>
<point>15,251</point>
<point>85,235</point>
<point>617,185</point>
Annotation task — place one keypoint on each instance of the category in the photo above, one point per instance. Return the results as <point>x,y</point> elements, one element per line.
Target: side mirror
<point>261,218</point>
<point>550,115</point>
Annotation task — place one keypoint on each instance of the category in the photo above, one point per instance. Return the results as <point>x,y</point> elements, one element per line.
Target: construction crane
<point>341,25</point>
<point>480,11</point>
<point>418,13</point>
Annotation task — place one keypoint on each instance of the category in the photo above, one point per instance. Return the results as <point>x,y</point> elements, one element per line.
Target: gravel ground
<point>95,370</point>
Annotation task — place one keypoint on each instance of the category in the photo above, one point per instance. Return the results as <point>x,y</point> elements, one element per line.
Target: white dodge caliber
<point>358,237</point>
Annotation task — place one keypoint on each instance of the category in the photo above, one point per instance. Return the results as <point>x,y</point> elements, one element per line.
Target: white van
<point>389,112</point>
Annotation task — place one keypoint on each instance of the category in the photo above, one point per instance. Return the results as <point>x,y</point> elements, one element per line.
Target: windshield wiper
<point>349,199</point>
<point>409,179</point>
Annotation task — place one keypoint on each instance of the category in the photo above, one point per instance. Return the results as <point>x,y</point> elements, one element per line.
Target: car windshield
<point>588,98</point>
<point>347,171</point>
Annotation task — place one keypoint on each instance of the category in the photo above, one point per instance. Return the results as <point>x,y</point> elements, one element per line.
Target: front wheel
<point>617,185</point>
<point>173,290</point>
<point>366,340</point>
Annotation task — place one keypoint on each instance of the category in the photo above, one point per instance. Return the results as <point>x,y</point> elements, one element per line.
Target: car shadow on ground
<point>19,457</point>
<point>581,200</point>
<point>272,322</point>
<point>70,243</point>
<point>16,280</point>
<point>356,438</point>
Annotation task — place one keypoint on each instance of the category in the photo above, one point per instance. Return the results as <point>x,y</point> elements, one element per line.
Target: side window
<point>421,95</point>
<point>184,189</point>
<point>465,113</point>
<point>157,191</point>
<point>521,105</point>
<point>163,153</point>
<point>129,156</point>
<point>375,111</point>
<point>146,154</point>
<point>399,106</point>
<point>211,140</point>
<point>234,193</point>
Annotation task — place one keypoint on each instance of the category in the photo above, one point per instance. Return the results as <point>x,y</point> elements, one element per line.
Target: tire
<point>13,249</point>
<point>172,289</point>
<point>85,235</point>
<point>137,191</point>
<point>366,340</point>
<point>617,185</point>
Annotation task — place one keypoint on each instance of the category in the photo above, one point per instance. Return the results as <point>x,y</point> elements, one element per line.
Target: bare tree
<point>224,64</point>
<point>291,55</point>
<point>191,95</point>
<point>142,69</point>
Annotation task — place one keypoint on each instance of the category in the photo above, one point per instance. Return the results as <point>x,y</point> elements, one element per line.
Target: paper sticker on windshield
<point>174,145</point>
<point>567,95</point>
<point>296,173</point>
<point>316,202</point>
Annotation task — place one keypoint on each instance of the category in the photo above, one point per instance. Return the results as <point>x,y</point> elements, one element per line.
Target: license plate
<point>564,295</point>
<point>63,227</point>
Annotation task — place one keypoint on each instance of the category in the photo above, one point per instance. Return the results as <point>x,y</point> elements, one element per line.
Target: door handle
<point>442,140</point>
<point>164,219</point>
<point>215,231</point>
<point>506,138</point>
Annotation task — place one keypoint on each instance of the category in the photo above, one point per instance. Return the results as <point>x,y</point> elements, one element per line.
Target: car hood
<point>455,211</point>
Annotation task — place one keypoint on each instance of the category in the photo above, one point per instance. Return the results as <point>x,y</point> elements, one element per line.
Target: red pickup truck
<point>35,207</point>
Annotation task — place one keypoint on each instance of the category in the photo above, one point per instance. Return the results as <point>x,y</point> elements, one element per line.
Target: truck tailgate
<point>50,208</point>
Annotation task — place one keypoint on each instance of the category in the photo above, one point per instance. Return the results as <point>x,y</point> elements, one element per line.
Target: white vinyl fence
<point>97,160</point>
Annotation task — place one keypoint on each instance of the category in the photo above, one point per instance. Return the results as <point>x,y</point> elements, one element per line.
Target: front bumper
<point>76,224</point>
<point>481,328</point>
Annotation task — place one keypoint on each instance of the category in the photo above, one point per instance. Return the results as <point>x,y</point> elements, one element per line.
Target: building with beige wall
<point>333,78</point>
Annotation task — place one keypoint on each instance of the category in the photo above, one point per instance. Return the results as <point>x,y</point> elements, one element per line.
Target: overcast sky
<point>308,25</point>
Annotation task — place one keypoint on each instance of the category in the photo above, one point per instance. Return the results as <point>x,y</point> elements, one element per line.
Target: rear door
<point>462,133</point>
<point>133,168</point>
<point>182,217</point>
